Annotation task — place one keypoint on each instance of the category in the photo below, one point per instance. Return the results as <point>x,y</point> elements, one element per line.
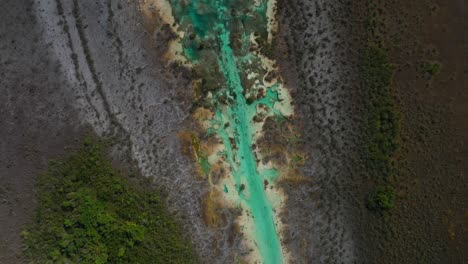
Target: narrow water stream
<point>245,171</point>
<point>223,40</point>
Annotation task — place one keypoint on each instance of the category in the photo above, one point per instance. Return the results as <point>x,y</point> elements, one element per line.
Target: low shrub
<point>381,199</point>
<point>382,126</point>
<point>89,213</point>
<point>432,68</point>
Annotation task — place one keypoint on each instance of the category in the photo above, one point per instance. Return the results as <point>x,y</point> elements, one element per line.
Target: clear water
<point>218,40</point>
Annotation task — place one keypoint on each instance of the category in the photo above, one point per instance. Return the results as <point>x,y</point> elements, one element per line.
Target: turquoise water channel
<point>222,40</point>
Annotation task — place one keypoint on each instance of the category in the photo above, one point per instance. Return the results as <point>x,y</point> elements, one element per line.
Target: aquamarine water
<point>222,39</point>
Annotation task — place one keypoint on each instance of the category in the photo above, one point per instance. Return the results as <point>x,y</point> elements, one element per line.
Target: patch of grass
<point>432,68</point>
<point>382,198</point>
<point>383,120</point>
<point>89,213</point>
<point>382,125</point>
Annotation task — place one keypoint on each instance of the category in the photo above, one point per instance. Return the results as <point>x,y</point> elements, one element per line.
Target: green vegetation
<point>383,198</point>
<point>382,126</point>
<point>89,213</point>
<point>383,120</point>
<point>432,68</point>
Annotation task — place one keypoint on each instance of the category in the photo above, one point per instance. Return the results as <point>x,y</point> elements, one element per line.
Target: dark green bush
<point>382,126</point>
<point>432,68</point>
<point>383,198</point>
<point>89,213</point>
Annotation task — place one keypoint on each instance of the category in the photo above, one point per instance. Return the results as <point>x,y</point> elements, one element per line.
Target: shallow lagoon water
<point>221,37</point>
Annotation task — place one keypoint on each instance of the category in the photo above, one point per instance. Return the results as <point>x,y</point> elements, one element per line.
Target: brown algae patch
<point>213,210</point>
<point>158,13</point>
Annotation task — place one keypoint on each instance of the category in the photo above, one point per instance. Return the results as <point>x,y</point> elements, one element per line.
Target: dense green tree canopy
<point>89,213</point>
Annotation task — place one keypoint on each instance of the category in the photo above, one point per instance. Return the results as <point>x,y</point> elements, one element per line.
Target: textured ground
<point>123,90</point>
<point>319,68</point>
<point>429,223</point>
<point>37,120</point>
<point>66,64</point>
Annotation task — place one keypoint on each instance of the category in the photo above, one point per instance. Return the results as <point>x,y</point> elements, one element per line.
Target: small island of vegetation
<point>87,212</point>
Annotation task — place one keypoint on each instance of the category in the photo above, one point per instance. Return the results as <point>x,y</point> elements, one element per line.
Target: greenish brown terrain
<point>90,213</point>
<point>424,42</point>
